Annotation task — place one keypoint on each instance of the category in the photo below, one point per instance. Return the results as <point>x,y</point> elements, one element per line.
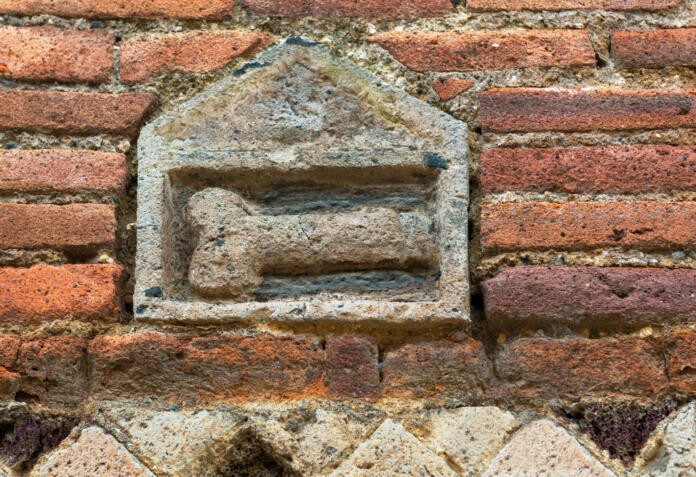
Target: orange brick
<point>654,48</point>
<point>449,88</point>
<point>488,50</point>
<point>73,227</point>
<point>74,113</point>
<point>144,57</point>
<point>583,225</point>
<point>148,9</point>
<point>49,53</point>
<point>62,171</point>
<point>350,8</point>
<point>66,292</point>
<point>575,109</point>
<point>498,5</point>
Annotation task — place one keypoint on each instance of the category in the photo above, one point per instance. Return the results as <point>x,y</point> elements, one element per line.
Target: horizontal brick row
<point>218,9</point>
<point>50,53</point>
<point>589,297</point>
<point>510,227</point>
<point>147,56</point>
<point>499,5</point>
<point>488,50</point>
<point>185,367</point>
<point>585,109</point>
<point>654,48</point>
<point>68,292</point>
<point>74,113</point>
<point>73,228</point>
<point>617,169</point>
<point>62,171</point>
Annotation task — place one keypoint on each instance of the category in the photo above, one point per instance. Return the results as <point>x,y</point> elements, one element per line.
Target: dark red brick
<point>488,50</point>
<point>654,48</point>
<point>352,366</point>
<point>585,225</point>
<point>612,170</point>
<point>588,109</point>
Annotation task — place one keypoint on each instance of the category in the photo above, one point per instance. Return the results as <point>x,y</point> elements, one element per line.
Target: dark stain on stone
<point>155,292</point>
<point>301,41</point>
<point>247,67</point>
<point>434,161</point>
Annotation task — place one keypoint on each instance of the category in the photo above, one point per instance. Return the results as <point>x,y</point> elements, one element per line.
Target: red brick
<point>74,113</point>
<point>50,53</point>
<point>9,384</point>
<point>654,48</point>
<point>680,355</point>
<point>63,171</point>
<point>67,292</point>
<point>488,50</point>
<point>585,225</point>
<point>498,5</point>
<point>614,170</point>
<point>571,368</point>
<point>352,366</point>
<point>147,9</point>
<point>454,367</point>
<point>144,57</point>
<point>188,367</point>
<point>448,88</point>
<point>588,109</point>
<point>73,227</point>
<point>350,8</point>
<point>592,297</point>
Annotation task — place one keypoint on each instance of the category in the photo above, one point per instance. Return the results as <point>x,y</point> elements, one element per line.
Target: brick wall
<point>580,117</point>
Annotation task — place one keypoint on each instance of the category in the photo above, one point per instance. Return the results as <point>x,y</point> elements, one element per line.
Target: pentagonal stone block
<point>303,188</point>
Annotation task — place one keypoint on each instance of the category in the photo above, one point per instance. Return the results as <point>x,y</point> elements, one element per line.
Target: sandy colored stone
<point>555,5</point>
<point>671,450</point>
<point>350,8</point>
<point>96,454</point>
<point>544,448</point>
<point>469,437</point>
<point>392,451</point>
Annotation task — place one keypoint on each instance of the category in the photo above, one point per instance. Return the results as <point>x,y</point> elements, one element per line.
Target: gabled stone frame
<point>445,151</point>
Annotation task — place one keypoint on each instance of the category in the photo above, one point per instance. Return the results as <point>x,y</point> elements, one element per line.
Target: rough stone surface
<point>392,450</point>
<point>497,5</point>
<point>589,297</point>
<point>352,366</point>
<point>610,170</point>
<point>67,292</point>
<point>654,48</point>
<point>544,448</point>
<point>488,50</point>
<point>347,8</point>
<point>94,453</point>
<point>144,57</point>
<point>680,358</point>
<point>584,225</point>
<point>62,171</point>
<point>74,113</point>
<point>48,53</point>
<point>323,205</point>
<point>469,437</point>
<point>585,109</point>
<point>450,88</point>
<point>73,227</point>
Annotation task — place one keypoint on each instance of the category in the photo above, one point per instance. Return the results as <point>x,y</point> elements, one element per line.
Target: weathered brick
<point>70,292</point>
<point>352,366</point>
<point>616,169</point>
<point>584,225</point>
<point>592,297</point>
<point>498,5</point>
<point>73,227</point>
<point>51,369</point>
<point>349,8</point>
<point>586,109</point>
<point>488,50</point>
<point>50,53</point>
<point>144,57</point>
<point>9,383</point>
<point>147,9</point>
<point>680,355</point>
<point>74,113</point>
<point>654,48</point>
<point>453,367</point>
<point>62,171</point>
<point>225,366</point>
<point>570,368</point>
<point>448,88</point>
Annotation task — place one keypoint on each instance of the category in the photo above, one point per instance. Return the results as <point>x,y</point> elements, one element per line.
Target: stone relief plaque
<point>303,188</point>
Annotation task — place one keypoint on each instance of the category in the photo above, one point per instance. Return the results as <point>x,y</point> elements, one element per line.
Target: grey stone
<point>313,148</point>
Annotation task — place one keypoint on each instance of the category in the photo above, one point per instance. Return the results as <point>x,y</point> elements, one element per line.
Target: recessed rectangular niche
<point>302,188</point>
